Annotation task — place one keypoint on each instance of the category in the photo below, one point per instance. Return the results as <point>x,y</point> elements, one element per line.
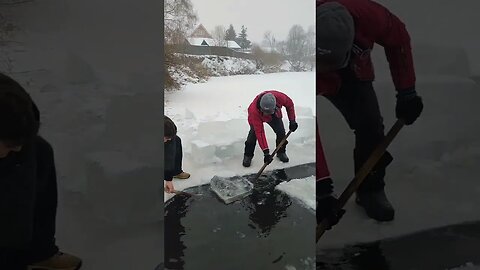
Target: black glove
<point>267,158</point>
<point>293,126</point>
<point>409,106</point>
<point>327,203</point>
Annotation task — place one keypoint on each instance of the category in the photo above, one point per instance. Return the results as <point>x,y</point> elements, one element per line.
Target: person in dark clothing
<point>173,155</point>
<point>28,187</point>
<point>346,33</point>
<point>267,107</point>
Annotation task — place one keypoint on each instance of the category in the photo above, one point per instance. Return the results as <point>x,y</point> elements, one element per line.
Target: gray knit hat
<point>268,103</point>
<point>335,31</point>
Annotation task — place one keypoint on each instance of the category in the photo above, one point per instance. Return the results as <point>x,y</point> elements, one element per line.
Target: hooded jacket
<point>256,118</point>
<point>20,174</point>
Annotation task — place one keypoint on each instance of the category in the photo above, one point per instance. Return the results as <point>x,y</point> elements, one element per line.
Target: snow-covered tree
<point>231,34</point>
<point>179,18</point>
<point>242,39</point>
<point>219,35</point>
<point>269,41</point>
<point>295,48</point>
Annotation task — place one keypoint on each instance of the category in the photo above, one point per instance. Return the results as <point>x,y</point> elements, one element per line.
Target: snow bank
<point>225,66</point>
<point>301,189</point>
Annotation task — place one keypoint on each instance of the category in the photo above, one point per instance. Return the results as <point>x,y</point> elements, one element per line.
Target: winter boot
<point>376,205</point>
<point>283,157</point>
<point>247,161</point>
<point>59,261</point>
<point>182,175</point>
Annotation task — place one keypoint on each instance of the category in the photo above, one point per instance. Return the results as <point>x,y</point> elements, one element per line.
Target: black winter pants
<point>358,104</point>
<point>277,125</point>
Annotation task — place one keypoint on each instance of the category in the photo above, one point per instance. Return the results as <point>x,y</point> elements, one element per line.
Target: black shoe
<point>283,157</point>
<point>247,161</point>
<point>376,205</point>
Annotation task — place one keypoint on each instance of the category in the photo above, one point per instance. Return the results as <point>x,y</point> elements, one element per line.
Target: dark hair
<point>170,130</point>
<point>19,121</point>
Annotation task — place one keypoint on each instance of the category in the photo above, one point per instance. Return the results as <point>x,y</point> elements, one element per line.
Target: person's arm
<point>289,105</point>
<point>257,125</point>
<point>390,32</point>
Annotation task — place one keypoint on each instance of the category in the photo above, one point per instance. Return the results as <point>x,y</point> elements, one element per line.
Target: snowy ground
<point>212,122</point>
<point>433,180</point>
<point>300,189</point>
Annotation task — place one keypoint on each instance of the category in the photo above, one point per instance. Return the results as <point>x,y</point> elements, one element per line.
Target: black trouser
<point>178,156</point>
<point>42,244</point>
<point>277,125</point>
<point>358,104</point>
<point>177,169</point>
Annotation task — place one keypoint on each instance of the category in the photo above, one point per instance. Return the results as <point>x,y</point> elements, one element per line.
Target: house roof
<point>200,32</point>
<point>233,44</point>
<point>201,41</point>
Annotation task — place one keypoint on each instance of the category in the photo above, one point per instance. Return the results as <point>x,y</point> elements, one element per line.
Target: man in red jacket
<point>267,107</point>
<point>345,34</point>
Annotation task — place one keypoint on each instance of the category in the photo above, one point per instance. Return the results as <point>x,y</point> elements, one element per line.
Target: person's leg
<point>359,105</point>
<point>250,144</point>
<point>279,129</point>
<point>178,156</point>
<point>178,172</point>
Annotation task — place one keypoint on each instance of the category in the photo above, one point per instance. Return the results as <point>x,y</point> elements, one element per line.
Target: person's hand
<point>293,126</point>
<point>169,187</point>
<point>267,158</point>
<point>327,204</point>
<point>409,106</point>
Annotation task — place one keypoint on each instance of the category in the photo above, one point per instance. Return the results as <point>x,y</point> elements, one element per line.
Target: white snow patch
<point>301,189</point>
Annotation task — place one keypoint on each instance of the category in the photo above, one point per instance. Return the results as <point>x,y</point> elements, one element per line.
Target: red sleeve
<point>257,124</point>
<point>290,108</point>
<point>321,162</point>
<point>389,31</point>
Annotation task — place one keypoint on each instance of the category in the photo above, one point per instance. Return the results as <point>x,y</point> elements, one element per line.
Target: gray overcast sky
<point>257,15</point>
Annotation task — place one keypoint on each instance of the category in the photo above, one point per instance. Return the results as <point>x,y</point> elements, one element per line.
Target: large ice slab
<point>231,189</point>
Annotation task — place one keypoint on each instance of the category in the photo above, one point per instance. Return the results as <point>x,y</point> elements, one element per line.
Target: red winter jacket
<point>256,118</point>
<point>373,24</point>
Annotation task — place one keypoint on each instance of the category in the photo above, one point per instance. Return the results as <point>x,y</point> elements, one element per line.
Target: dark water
<point>266,230</point>
<point>436,249</point>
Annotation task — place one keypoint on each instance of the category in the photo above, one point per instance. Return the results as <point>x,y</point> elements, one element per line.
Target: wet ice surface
<point>266,230</point>
<point>452,247</point>
<point>231,189</point>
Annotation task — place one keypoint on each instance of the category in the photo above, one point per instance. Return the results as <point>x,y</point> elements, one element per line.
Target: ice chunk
<point>231,189</point>
<point>303,111</point>
<point>301,189</point>
<point>203,153</point>
<point>305,131</point>
<point>189,114</point>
